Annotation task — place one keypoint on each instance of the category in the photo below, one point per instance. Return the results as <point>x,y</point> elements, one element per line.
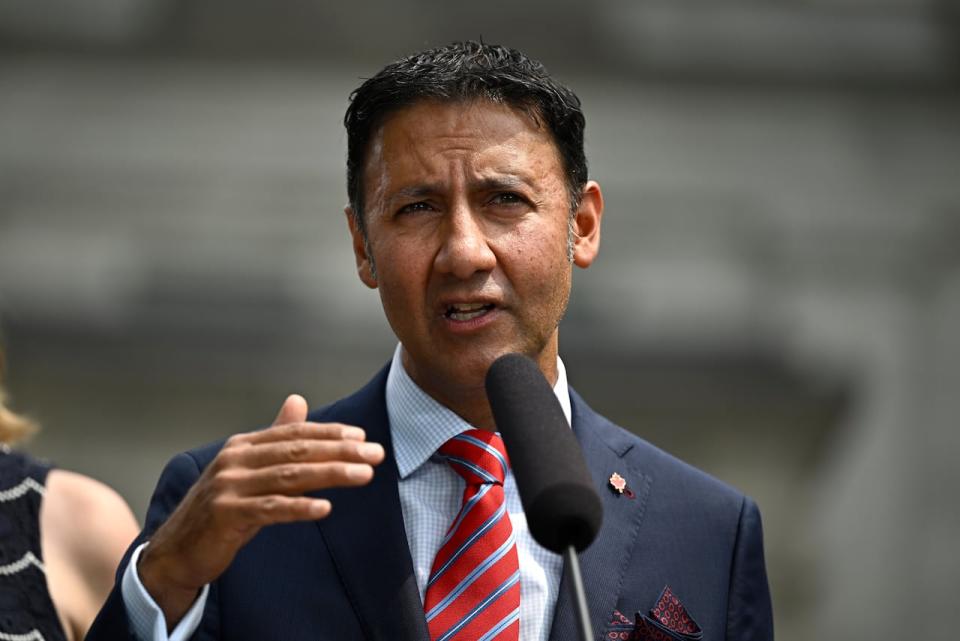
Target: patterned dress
<point>26,611</point>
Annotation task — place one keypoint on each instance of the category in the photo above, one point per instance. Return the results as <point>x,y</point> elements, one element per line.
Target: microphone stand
<point>572,563</point>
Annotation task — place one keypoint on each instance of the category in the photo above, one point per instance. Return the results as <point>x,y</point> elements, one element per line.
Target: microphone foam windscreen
<point>558,496</point>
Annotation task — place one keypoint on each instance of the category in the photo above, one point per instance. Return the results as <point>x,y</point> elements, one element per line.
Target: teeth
<point>467,307</point>
<point>466,311</point>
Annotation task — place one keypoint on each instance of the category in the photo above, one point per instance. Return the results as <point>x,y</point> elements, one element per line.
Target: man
<point>469,204</point>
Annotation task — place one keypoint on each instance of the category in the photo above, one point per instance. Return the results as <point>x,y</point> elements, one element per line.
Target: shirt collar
<point>419,424</point>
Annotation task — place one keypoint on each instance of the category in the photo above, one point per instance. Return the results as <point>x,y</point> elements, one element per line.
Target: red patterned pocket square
<point>668,621</point>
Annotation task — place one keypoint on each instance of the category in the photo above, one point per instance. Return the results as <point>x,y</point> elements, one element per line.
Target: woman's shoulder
<point>86,526</point>
<point>83,499</point>
<point>88,522</point>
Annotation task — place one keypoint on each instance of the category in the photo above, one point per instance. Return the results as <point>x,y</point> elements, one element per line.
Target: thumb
<point>293,410</point>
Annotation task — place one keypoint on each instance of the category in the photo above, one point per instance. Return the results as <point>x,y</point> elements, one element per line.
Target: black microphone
<point>556,490</point>
<point>562,507</point>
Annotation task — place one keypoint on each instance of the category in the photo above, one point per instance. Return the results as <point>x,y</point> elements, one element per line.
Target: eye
<point>413,208</point>
<point>507,198</point>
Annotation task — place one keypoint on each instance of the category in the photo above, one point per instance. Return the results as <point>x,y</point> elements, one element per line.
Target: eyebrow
<point>484,184</point>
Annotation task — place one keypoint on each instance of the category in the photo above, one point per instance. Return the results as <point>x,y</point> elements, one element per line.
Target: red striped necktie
<point>474,588</point>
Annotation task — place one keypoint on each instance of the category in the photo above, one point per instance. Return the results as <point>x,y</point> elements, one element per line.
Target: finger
<point>305,451</point>
<point>259,511</point>
<point>300,430</point>
<point>296,478</point>
<point>293,410</point>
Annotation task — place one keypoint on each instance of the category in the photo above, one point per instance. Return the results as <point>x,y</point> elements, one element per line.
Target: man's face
<point>467,218</point>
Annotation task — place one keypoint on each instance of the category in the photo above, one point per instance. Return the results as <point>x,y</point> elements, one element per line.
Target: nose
<point>465,248</point>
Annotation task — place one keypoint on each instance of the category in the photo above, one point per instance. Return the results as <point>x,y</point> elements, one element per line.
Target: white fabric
<point>145,615</point>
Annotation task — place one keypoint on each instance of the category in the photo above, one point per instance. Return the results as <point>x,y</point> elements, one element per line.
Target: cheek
<point>401,271</point>
<point>538,266</point>
<point>400,299</point>
<point>539,250</point>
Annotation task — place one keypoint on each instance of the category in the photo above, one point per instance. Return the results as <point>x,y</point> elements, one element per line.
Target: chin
<point>471,370</point>
<point>475,365</point>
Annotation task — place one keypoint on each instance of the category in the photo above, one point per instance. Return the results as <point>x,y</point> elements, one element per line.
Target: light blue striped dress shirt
<point>431,493</point>
<point>430,496</point>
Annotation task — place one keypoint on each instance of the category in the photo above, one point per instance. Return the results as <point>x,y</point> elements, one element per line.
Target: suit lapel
<point>365,532</point>
<point>603,564</point>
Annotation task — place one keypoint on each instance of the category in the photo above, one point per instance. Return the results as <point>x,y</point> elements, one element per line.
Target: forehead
<point>428,134</point>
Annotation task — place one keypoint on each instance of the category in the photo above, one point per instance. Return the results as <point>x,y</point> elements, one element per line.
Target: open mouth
<point>467,311</point>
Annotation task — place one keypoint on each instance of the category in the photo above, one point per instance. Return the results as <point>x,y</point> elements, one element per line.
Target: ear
<point>364,266</point>
<point>586,225</point>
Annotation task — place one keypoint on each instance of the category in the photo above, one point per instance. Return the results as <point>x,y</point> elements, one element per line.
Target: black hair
<point>465,71</point>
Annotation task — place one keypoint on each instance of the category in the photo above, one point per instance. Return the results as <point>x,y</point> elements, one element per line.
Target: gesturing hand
<point>257,479</point>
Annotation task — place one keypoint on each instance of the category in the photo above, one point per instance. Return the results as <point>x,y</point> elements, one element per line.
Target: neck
<point>468,398</point>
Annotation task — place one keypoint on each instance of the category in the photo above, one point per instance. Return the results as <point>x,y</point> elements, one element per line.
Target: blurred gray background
<point>777,298</point>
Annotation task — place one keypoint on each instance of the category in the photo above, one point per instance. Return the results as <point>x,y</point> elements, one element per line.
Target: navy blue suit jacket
<point>350,577</point>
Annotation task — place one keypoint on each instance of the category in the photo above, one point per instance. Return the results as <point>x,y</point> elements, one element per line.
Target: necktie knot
<point>478,456</point>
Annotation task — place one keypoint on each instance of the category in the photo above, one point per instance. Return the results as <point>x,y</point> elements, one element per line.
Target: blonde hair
<point>13,427</point>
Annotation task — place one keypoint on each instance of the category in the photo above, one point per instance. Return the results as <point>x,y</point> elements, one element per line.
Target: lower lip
<point>472,325</point>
